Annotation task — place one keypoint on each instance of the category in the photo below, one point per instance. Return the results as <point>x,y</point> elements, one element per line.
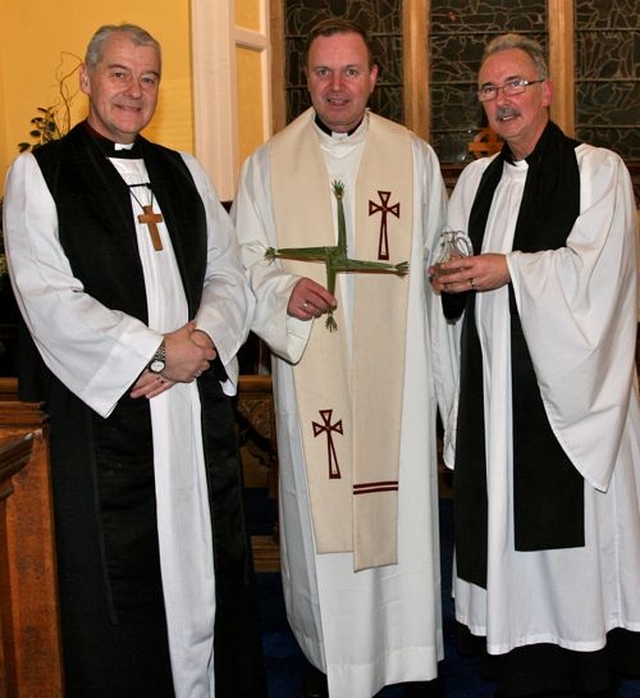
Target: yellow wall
<point>249,67</point>
<point>36,35</point>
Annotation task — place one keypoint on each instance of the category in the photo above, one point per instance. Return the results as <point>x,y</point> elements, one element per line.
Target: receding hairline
<point>336,25</point>
<point>531,47</point>
<point>136,34</point>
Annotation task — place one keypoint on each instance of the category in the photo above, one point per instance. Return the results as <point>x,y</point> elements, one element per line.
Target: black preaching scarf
<point>548,505</point>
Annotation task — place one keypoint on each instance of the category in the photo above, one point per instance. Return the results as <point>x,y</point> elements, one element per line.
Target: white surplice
<point>577,306</point>
<point>377,626</point>
<point>98,354</point>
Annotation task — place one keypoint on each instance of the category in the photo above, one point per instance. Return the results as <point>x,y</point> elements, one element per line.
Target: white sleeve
<point>253,215</point>
<point>578,312</point>
<point>445,336</point>
<point>96,352</point>
<point>227,304</point>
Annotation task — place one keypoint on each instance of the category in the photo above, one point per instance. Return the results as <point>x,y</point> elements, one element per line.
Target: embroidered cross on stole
<point>384,209</point>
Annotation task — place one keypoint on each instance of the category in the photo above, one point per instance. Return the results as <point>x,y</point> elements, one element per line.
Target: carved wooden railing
<point>255,410</point>
<point>254,404</point>
<point>30,647</point>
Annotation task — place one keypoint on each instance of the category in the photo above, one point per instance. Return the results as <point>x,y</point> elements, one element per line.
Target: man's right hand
<point>187,356</point>
<point>309,299</point>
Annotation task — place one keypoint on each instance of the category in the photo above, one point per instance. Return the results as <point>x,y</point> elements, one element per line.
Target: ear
<point>547,93</point>
<point>373,76</point>
<point>85,83</point>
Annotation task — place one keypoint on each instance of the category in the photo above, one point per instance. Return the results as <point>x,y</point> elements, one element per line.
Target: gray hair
<point>531,47</point>
<point>137,35</point>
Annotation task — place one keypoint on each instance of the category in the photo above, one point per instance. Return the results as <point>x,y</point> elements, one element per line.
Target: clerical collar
<point>323,127</point>
<point>114,150</point>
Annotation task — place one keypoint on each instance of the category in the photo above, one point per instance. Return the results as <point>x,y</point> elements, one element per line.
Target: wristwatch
<point>159,360</point>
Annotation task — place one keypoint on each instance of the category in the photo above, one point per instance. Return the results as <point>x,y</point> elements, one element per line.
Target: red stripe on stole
<point>369,487</point>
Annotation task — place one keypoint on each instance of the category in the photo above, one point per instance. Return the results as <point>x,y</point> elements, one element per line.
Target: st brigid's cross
<point>335,257</point>
<point>384,209</point>
<point>328,428</point>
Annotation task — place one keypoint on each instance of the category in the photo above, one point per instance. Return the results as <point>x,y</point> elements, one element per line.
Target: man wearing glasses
<point>542,419</point>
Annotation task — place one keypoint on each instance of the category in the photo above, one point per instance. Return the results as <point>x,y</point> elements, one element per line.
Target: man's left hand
<point>150,384</point>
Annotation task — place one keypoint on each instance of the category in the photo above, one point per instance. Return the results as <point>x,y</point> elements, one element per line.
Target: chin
<point>341,126</point>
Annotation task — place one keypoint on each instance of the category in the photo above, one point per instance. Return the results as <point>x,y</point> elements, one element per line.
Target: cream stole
<point>351,409</point>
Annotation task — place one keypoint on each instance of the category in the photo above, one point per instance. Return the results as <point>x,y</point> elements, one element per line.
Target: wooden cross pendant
<point>150,219</point>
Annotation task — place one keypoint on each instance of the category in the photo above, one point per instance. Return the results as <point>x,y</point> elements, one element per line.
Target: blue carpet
<point>286,665</point>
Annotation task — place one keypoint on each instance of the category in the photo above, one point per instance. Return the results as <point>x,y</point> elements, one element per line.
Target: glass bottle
<point>453,244</point>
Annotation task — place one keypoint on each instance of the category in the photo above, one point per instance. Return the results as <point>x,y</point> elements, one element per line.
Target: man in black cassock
<point>126,271</point>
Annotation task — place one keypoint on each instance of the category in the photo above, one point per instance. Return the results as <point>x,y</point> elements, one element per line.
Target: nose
<point>134,88</point>
<point>336,81</point>
<point>501,97</point>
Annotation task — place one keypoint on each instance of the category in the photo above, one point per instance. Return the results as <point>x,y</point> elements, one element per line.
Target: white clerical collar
<point>344,143</point>
<point>340,136</point>
<point>125,151</point>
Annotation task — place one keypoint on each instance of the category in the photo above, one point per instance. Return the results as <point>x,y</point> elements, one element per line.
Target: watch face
<point>156,366</point>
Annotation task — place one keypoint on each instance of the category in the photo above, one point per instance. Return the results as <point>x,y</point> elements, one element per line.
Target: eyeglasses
<point>517,86</point>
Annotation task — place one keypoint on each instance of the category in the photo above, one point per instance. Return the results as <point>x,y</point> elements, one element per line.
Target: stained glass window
<point>607,63</point>
<point>459,31</point>
<point>607,74</point>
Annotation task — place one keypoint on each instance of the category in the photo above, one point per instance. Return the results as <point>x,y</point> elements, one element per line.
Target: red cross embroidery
<point>328,428</point>
<point>384,209</point>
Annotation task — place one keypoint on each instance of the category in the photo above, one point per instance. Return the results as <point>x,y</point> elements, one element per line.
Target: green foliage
<point>45,129</point>
<point>51,123</point>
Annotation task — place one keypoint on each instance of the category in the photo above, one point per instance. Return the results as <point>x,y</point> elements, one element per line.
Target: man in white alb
<point>355,397</point>
<point>543,414</point>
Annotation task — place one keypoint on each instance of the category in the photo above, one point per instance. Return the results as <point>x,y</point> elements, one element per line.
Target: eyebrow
<point>342,67</point>
<point>115,66</point>
<point>510,77</point>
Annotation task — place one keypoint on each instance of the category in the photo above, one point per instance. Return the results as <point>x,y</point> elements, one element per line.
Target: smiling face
<point>340,79</point>
<point>123,88</point>
<point>520,119</point>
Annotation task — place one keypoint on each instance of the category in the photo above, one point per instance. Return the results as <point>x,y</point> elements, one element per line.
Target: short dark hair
<point>336,25</point>
<point>137,35</point>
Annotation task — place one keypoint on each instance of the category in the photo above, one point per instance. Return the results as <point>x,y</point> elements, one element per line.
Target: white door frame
<point>214,37</point>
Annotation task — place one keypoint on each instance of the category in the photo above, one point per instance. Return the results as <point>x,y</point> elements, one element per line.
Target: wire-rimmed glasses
<point>516,86</point>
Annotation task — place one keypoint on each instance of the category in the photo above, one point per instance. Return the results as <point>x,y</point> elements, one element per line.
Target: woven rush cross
<point>335,257</point>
